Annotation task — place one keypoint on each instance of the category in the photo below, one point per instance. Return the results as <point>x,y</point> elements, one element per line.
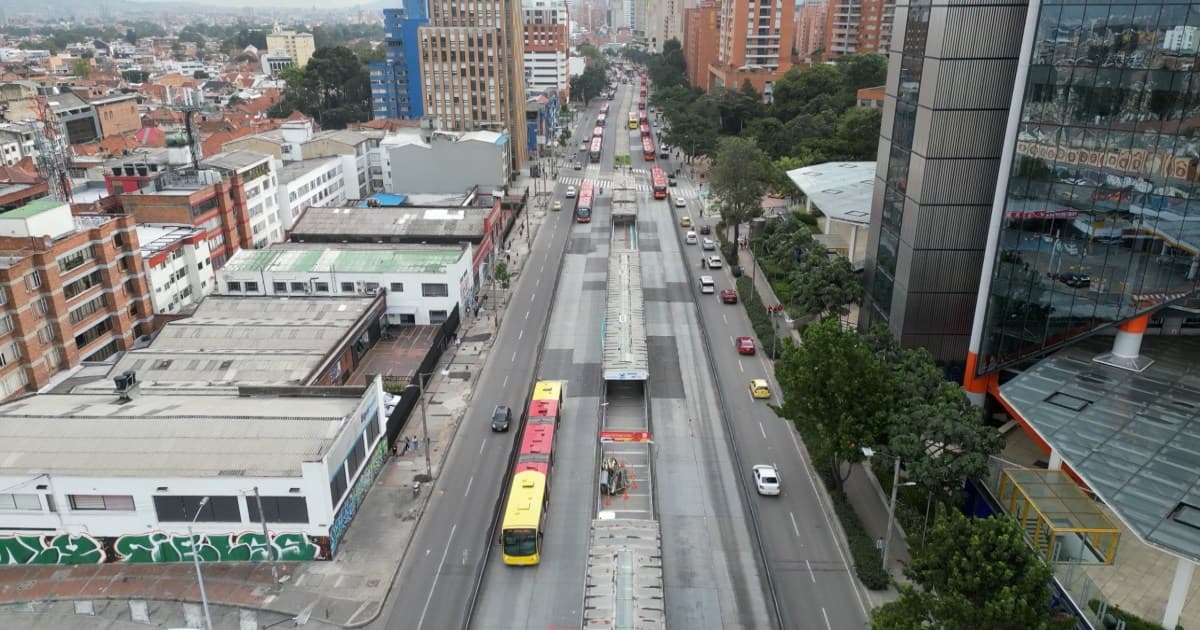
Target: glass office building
<point>1101,207</point>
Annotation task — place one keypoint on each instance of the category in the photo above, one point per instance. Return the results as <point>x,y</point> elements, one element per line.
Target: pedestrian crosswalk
<point>603,182</point>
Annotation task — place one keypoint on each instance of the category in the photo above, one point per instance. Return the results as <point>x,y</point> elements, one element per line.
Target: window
<point>184,509</point>
<point>20,502</point>
<point>33,280</point>
<point>323,287</point>
<point>279,287</point>
<point>278,509</point>
<point>337,486</point>
<point>299,287</point>
<point>102,502</point>
<point>233,286</point>
<point>371,287</point>
<point>251,287</point>
<point>434,290</point>
<point>347,287</point>
<point>397,287</point>
<point>437,317</point>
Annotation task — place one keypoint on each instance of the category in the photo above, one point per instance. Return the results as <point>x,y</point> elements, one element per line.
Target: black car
<point>501,418</point>
<point>704,229</point>
<point>1074,280</point>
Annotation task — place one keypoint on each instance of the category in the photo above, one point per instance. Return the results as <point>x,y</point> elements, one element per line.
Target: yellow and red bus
<point>658,179</point>
<point>594,152</point>
<point>583,203</point>
<point>524,523</point>
<point>633,120</point>
<point>647,149</point>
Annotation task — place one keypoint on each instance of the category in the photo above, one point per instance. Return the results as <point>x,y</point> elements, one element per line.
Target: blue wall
<point>396,83</point>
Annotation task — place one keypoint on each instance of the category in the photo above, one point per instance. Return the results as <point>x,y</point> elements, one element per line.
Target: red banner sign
<point>624,436</point>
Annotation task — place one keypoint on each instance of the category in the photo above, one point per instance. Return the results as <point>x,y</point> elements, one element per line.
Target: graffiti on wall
<point>355,497</point>
<point>158,547</point>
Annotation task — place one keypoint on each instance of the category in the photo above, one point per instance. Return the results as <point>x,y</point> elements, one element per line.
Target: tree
<point>668,68</point>
<point>858,133</point>
<point>131,36</point>
<point>135,76</point>
<point>795,92</point>
<point>199,74</point>
<point>500,273</point>
<point>823,285</point>
<point>334,88</point>
<point>564,136</point>
<point>81,68</point>
<point>834,382</point>
<point>591,83</point>
<point>234,101</point>
<point>973,573</point>
<point>739,178</point>
<point>864,70</point>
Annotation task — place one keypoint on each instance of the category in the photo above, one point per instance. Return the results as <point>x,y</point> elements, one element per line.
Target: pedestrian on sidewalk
<point>416,444</point>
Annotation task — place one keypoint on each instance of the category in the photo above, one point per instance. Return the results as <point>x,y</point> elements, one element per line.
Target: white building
<point>177,264</point>
<point>1182,39</point>
<point>547,46</point>
<point>423,283</point>
<point>426,161</point>
<point>319,182</point>
<point>128,490</point>
<point>259,184</point>
<point>296,140</point>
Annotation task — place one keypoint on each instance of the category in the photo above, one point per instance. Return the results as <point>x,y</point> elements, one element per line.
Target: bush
<point>867,563</point>
<point>1132,621</point>
<point>758,317</point>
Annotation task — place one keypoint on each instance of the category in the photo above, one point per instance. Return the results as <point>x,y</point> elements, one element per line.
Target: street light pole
<point>196,562</point>
<point>424,424</point>
<point>887,541</point>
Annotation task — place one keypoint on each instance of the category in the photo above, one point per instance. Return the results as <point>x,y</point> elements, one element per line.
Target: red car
<point>745,345</point>
<point>729,296</point>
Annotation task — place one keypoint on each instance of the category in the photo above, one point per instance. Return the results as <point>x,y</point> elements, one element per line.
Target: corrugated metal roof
<point>625,355</point>
<point>395,260</point>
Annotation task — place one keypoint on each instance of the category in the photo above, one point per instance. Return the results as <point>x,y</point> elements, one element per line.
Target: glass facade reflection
<point>1102,208</point>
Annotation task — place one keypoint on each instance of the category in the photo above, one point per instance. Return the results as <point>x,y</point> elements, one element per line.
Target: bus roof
<point>548,390</point>
<point>524,508</point>
<point>537,439</point>
<point>543,409</point>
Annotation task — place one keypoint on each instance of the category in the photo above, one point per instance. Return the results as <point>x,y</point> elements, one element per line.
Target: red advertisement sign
<point>624,436</point>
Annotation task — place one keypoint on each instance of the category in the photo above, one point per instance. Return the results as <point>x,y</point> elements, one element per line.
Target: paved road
<point>447,551</point>
<point>812,578</point>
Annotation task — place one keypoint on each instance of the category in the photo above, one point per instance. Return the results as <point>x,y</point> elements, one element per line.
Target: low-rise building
<point>296,140</point>
<point>77,116</point>
<point>202,199</point>
<point>445,162</point>
<point>317,182</point>
<point>253,180</point>
<point>16,142</point>
<point>423,284</point>
<point>70,291</point>
<point>178,266</point>
<point>117,114</point>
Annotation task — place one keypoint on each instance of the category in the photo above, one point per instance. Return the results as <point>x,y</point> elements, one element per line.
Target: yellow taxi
<point>759,388</point>
<point>685,221</point>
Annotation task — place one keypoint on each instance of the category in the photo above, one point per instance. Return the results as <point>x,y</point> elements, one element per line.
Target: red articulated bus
<point>583,203</point>
<point>645,130</point>
<point>594,152</point>
<point>597,132</point>
<point>658,179</point>
<point>604,108</point>
<point>643,118</point>
<point>647,149</point>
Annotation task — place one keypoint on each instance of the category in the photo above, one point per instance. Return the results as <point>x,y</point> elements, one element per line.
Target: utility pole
<point>262,516</point>
<point>424,424</point>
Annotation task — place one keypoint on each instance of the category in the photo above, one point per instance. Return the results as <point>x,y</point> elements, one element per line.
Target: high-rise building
<point>1034,195</point>
<point>755,44</point>
<point>547,47</point>
<point>700,35</point>
<point>472,69</point>
<point>663,21</point>
<point>396,81</point>
<point>298,46</point>
<point>810,28</point>
<point>856,26</point>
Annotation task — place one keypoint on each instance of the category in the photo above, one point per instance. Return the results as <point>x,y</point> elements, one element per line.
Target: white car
<point>570,192</point>
<point>766,479</point>
<point>680,203</point>
<point>714,262</point>
<point>557,205</point>
<point>709,244</point>
<point>691,239</point>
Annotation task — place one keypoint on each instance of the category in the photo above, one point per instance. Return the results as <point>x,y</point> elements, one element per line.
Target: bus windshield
<point>520,542</point>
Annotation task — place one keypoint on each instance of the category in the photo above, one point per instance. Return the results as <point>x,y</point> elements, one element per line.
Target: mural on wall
<point>159,547</point>
<point>341,522</point>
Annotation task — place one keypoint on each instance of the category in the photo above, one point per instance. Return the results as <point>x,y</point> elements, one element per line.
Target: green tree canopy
<point>973,573</point>
<point>739,178</point>
<point>823,285</point>
<point>864,70</point>
<point>333,88</point>
<point>795,91</point>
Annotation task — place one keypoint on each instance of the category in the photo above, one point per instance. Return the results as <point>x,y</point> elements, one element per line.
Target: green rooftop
<point>33,208</point>
<point>423,260</point>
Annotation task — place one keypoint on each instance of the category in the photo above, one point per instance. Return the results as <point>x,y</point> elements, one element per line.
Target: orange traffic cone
<point>607,501</point>
<point>635,485</point>
<point>625,496</point>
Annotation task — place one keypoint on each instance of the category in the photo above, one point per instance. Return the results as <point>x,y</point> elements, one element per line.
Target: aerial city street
<point>603,314</point>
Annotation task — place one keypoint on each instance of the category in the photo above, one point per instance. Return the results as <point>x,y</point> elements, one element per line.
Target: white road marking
<point>725,318</point>
<point>433,587</point>
<point>538,282</point>
<point>505,383</point>
<point>825,514</point>
<point>543,268</point>
<point>520,334</point>
<point>797,530</point>
<point>823,614</point>
<point>468,492</point>
<point>481,446</point>
<point>514,359</point>
<point>533,297</point>
<point>762,430</point>
<point>526,314</point>
<point>740,366</point>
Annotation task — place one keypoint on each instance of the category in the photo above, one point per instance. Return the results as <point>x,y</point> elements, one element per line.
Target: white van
<point>707,285</point>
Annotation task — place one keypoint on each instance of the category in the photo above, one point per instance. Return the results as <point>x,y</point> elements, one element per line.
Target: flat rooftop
<point>33,208</point>
<point>294,170</point>
<point>384,223</point>
<point>231,341</point>
<point>1133,438</point>
<point>397,259</point>
<point>175,435</point>
<point>155,238</point>
<point>840,190</point>
<point>234,160</point>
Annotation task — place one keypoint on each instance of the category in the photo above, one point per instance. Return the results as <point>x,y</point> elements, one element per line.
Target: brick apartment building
<point>117,114</point>
<point>700,33</point>
<point>811,19</point>
<point>70,291</point>
<point>857,26</point>
<point>755,45</point>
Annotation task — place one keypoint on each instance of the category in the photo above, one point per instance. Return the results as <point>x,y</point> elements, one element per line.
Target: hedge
<point>867,562</point>
<point>759,317</point>
<point>1132,622</point>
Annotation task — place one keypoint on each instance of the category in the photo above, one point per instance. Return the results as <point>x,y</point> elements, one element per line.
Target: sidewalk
<point>348,591</point>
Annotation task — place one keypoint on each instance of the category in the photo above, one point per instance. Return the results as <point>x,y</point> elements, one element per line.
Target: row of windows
<point>76,258</point>
<point>174,509</point>
<point>82,284</point>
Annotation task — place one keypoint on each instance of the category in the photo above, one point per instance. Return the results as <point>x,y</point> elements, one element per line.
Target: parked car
<point>729,296</point>
<point>745,345</point>
<point>766,480</point>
